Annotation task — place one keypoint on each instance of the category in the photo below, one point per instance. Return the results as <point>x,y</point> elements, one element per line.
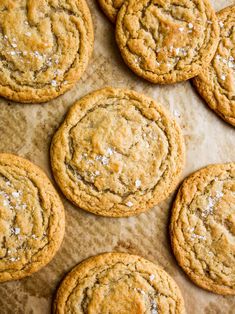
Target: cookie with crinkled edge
<point>111,8</point>
<point>118,153</point>
<point>118,283</point>
<point>216,83</point>
<point>203,228</point>
<point>164,42</point>
<point>45,47</point>
<point>31,218</point>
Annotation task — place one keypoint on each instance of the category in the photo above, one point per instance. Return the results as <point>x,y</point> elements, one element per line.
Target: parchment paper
<point>27,130</point>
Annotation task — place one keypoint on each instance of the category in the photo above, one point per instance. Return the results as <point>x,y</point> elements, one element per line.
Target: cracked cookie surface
<point>216,83</point>
<point>167,41</point>
<point>118,153</point>
<point>111,8</point>
<point>31,218</point>
<point>45,47</point>
<point>118,283</point>
<point>203,228</point>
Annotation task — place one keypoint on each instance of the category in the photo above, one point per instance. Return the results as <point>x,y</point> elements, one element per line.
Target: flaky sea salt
<point>190,25</point>
<point>17,231</point>
<point>28,34</point>
<point>138,183</point>
<point>151,277</point>
<point>109,151</point>
<point>221,24</point>
<point>198,236</point>
<point>104,160</point>
<point>219,194</point>
<point>181,29</point>
<point>6,203</point>
<point>129,204</point>
<point>15,194</point>
<point>53,83</point>
<point>177,50</point>
<point>223,77</point>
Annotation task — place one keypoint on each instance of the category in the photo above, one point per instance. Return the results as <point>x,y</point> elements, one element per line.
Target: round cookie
<point>31,221</point>
<point>203,228</point>
<point>111,8</point>
<point>216,83</point>
<point>167,41</point>
<point>118,153</point>
<point>118,283</point>
<point>45,47</point>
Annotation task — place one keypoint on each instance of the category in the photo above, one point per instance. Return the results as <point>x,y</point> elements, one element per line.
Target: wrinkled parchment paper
<point>27,130</point>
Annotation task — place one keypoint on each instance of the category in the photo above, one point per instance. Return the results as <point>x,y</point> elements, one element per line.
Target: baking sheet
<point>27,130</point>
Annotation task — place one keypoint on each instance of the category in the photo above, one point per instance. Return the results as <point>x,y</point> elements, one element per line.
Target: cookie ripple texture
<point>216,83</point>
<point>31,221</point>
<point>111,8</point>
<point>117,153</point>
<point>203,228</point>
<point>45,47</point>
<point>118,283</point>
<point>167,41</point>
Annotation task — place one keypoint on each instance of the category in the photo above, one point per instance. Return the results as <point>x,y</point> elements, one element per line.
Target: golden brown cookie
<point>167,41</point>
<point>44,46</point>
<point>203,228</point>
<point>118,153</point>
<point>31,218</point>
<point>111,8</point>
<point>216,83</point>
<point>118,283</point>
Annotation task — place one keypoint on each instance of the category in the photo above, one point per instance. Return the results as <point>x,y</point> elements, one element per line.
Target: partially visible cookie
<point>167,41</point>
<point>216,83</point>
<point>118,283</point>
<point>111,8</point>
<point>45,47</point>
<point>31,218</point>
<point>203,228</point>
<point>118,153</point>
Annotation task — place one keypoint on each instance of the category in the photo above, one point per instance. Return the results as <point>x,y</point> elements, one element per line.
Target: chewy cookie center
<point>115,148</point>
<point>45,48</point>
<point>24,219</point>
<point>163,36</point>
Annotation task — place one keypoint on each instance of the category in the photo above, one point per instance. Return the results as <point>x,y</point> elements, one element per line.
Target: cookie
<point>118,283</point>
<point>111,8</point>
<point>203,228</point>
<point>118,153</point>
<point>216,83</point>
<point>167,41</point>
<point>45,47</point>
<point>31,218</point>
